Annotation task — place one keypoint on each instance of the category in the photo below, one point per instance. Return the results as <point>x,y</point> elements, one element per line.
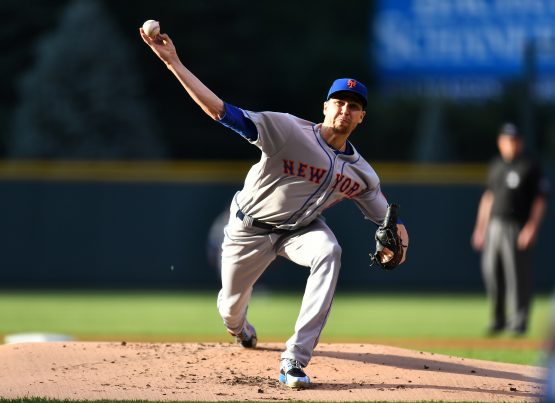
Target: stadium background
<point>111,176</point>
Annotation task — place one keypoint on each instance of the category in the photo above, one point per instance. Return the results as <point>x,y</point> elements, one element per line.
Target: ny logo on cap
<point>351,83</point>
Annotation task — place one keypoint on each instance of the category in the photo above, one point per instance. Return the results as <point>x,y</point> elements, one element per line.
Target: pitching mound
<point>220,372</point>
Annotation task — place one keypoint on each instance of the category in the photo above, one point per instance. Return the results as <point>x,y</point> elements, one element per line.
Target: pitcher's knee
<point>332,250</point>
<point>329,252</point>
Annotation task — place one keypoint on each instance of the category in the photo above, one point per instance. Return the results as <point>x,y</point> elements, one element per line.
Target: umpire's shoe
<point>247,338</point>
<point>291,374</point>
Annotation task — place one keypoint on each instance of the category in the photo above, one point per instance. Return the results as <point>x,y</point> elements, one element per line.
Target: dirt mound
<point>220,372</point>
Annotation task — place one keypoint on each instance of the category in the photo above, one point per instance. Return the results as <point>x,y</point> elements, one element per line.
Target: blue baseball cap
<point>349,85</point>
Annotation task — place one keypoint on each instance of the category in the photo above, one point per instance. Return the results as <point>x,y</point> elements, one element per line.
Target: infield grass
<point>448,324</point>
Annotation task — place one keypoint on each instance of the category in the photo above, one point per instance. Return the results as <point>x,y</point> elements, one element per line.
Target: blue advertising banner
<point>453,39</point>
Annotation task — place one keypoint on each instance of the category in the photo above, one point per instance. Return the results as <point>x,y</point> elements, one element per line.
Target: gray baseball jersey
<point>299,175</point>
<point>296,179</point>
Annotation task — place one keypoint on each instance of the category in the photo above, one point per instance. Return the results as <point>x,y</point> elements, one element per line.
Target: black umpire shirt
<point>515,185</point>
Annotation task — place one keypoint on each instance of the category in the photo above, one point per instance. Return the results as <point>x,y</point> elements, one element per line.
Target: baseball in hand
<point>151,28</point>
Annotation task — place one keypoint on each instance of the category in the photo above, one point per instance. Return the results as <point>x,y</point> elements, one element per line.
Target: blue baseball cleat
<point>291,374</point>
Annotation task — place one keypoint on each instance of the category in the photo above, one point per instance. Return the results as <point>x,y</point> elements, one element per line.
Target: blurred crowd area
<point>79,83</point>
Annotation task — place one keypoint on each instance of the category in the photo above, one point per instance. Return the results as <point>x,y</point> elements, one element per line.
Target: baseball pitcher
<point>304,168</point>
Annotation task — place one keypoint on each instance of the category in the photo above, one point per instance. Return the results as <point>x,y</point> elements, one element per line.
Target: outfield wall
<point>146,225</point>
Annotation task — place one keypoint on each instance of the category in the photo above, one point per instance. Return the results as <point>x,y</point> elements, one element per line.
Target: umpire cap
<point>509,129</point>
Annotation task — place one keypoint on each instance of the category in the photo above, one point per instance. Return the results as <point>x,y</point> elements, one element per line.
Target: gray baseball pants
<point>507,274</point>
<point>247,252</point>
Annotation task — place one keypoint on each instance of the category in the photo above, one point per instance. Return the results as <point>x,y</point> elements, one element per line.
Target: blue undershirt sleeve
<point>236,120</point>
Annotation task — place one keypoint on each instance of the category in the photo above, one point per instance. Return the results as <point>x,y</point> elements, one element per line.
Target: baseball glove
<point>389,245</point>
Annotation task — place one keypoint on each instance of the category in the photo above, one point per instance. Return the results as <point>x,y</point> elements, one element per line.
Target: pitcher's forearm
<point>210,103</point>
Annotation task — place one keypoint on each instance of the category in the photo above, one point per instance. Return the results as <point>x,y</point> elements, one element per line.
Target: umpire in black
<point>509,216</point>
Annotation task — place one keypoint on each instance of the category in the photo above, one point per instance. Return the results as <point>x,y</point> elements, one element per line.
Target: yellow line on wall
<point>435,174</point>
<point>218,172</point>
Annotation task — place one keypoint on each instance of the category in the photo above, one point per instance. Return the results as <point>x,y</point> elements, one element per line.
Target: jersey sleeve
<point>236,119</point>
<point>373,204</point>
<point>274,129</point>
<point>266,130</point>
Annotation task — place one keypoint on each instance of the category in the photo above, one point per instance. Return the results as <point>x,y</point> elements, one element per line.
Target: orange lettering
<point>346,183</point>
<point>338,179</point>
<point>302,169</point>
<point>288,167</point>
<point>353,189</point>
<point>316,174</point>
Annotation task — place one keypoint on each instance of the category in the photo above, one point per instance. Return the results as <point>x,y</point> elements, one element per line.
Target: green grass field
<point>449,324</point>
